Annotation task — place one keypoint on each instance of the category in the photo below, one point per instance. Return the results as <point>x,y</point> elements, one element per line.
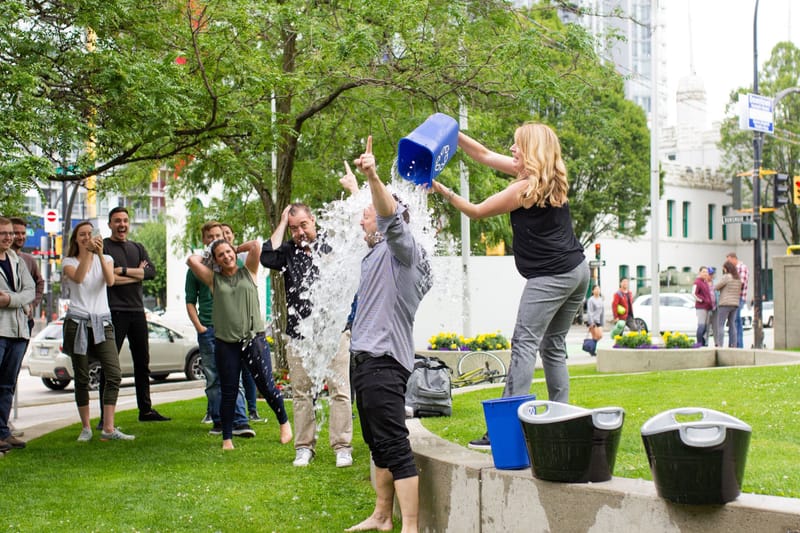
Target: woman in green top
<point>239,331</point>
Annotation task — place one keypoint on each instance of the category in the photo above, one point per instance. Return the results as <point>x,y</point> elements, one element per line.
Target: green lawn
<point>763,397</point>
<point>174,477</point>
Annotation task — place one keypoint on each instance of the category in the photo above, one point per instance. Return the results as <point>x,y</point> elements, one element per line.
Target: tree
<point>153,236</point>
<point>781,151</point>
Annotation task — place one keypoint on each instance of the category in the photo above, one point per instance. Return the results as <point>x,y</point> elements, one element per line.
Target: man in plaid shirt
<point>744,274</point>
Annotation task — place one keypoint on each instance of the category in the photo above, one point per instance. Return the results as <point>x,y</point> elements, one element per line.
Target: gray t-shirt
<point>395,275</point>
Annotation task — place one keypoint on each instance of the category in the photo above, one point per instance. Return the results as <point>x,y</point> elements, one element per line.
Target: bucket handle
<point>608,418</point>
<point>702,435</point>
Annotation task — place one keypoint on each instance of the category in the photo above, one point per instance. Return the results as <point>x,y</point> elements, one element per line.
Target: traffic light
<point>796,183</point>
<point>780,189</point>
<point>597,251</point>
<point>736,192</point>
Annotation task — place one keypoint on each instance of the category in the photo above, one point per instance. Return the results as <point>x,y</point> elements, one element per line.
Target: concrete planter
<point>644,360</point>
<point>451,357</point>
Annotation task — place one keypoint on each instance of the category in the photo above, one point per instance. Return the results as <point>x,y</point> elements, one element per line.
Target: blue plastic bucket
<point>509,451</point>
<point>422,155</point>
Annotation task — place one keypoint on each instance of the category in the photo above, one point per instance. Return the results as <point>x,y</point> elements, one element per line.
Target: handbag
<point>589,345</point>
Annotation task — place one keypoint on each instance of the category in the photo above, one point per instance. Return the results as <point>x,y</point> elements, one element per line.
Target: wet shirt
<point>395,275</point>
<point>299,273</point>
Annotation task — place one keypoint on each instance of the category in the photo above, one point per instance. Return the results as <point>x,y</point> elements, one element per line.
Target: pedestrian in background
<point>88,329</point>
<point>744,277</point>
<point>595,313</point>
<point>546,253</point>
<point>703,304</point>
<point>730,290</point>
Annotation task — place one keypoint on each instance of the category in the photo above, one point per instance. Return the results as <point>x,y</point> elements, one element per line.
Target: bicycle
<point>479,367</point>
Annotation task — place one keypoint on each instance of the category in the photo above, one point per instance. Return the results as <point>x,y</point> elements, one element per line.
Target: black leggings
<point>255,355</point>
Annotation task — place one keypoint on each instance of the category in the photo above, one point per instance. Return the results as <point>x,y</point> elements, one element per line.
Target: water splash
<point>332,292</point>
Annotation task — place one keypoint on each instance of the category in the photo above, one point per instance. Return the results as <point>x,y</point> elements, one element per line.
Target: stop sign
<point>51,223</point>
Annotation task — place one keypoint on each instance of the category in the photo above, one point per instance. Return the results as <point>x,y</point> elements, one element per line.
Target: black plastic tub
<point>571,444</point>
<point>700,461</point>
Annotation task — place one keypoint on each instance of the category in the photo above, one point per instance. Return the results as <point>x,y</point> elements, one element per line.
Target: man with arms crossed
<point>125,299</point>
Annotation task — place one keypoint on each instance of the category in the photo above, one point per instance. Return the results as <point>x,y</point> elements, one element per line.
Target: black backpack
<point>428,388</point>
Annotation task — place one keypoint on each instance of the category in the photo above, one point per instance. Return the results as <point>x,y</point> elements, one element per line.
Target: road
<point>39,409</point>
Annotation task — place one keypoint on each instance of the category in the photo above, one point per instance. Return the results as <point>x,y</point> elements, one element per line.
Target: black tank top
<point>544,241</point>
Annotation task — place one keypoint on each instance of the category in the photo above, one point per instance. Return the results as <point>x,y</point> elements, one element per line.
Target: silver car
<point>170,352</point>
<point>676,313</point>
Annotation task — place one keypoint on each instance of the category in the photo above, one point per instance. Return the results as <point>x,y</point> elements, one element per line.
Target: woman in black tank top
<point>546,252</point>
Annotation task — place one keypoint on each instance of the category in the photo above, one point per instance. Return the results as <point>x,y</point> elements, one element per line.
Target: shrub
<point>677,340</point>
<point>633,339</point>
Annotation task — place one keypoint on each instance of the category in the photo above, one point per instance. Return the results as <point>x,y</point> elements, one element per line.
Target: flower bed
<point>641,340</point>
<point>454,342</point>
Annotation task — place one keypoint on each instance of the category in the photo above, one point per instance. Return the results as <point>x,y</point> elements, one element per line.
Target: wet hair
<point>731,269</point>
<point>72,250</point>
<point>406,215</point>
<point>118,209</point>
<point>300,206</point>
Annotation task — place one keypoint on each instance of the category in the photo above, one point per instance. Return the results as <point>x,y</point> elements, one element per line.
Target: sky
<point>722,43</point>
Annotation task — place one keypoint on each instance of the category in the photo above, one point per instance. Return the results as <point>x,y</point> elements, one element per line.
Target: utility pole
<point>758,140</point>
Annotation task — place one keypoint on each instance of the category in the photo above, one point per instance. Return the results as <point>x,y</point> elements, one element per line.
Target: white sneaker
<point>303,456</point>
<point>116,435</point>
<point>344,458</point>
<point>85,436</point>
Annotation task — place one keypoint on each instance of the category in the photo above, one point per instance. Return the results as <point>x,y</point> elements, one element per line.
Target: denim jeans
<point>11,354</point>
<point>250,392</point>
<point>205,342</point>
<point>729,313</point>
<point>737,342</point>
<point>702,325</point>
<point>255,354</point>
<point>546,309</point>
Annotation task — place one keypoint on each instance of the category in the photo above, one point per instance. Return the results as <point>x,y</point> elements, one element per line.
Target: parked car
<point>170,352</point>
<point>767,313</point>
<point>676,313</point>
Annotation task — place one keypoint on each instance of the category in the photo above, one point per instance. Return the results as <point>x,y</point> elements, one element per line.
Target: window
<point>641,272</point>
<point>711,208</point>
<point>685,220</point>
<point>670,215</point>
<point>725,210</point>
<point>623,272</point>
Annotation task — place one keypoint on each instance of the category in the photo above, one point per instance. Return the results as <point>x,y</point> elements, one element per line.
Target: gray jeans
<point>546,309</point>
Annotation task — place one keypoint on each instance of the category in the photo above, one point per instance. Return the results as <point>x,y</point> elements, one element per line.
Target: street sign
<point>735,219</point>
<point>755,113</point>
<point>594,263</point>
<point>51,222</point>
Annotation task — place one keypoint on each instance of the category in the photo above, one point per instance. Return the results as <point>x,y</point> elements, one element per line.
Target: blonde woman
<point>88,331</point>
<point>546,252</point>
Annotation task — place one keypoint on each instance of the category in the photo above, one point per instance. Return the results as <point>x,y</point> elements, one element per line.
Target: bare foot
<point>286,433</point>
<point>379,523</point>
<point>227,444</point>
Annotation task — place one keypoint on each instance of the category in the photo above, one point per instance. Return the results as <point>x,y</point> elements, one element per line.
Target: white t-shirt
<point>89,297</point>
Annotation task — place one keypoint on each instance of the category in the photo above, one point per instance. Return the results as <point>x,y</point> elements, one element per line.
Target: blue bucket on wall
<point>505,432</point>
<point>422,155</point>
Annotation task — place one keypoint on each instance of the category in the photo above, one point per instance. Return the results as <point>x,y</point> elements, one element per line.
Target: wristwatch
<point>124,271</point>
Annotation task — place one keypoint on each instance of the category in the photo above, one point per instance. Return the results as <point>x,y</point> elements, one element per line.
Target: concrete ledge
<point>647,360</point>
<point>461,491</point>
<point>631,360</point>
